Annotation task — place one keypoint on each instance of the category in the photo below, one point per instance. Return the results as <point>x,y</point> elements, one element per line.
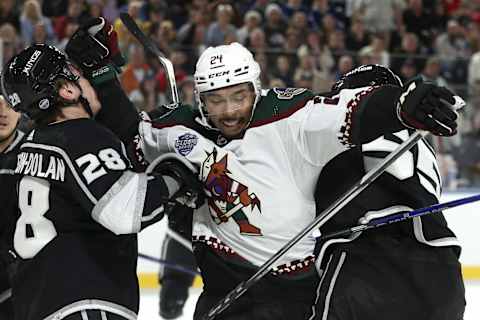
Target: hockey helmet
<point>367,75</point>
<point>224,66</point>
<point>28,80</point>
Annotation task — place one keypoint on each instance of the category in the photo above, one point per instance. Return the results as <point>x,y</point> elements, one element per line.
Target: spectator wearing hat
<point>274,26</point>
<point>30,17</point>
<point>251,21</point>
<point>218,30</point>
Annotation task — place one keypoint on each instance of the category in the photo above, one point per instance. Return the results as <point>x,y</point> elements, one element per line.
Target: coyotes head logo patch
<point>227,197</point>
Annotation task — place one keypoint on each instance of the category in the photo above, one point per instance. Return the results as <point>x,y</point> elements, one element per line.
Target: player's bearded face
<point>230,109</point>
<point>8,120</point>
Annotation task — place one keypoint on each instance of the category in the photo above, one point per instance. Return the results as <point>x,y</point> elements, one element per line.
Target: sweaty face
<point>230,109</point>
<point>8,120</point>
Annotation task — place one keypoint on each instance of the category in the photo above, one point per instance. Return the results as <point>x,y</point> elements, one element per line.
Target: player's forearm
<point>376,115</point>
<point>118,113</point>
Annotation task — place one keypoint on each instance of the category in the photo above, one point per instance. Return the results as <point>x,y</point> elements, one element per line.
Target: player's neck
<point>71,113</point>
<point>5,143</point>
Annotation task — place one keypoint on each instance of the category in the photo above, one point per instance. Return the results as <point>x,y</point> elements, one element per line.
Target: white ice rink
<point>149,303</point>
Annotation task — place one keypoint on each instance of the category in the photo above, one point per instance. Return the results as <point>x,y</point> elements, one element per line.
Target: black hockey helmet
<point>28,80</point>
<point>367,75</point>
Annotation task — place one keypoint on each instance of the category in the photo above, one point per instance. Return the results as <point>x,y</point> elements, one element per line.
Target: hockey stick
<point>168,264</point>
<point>364,182</point>
<point>404,213</point>
<point>150,46</point>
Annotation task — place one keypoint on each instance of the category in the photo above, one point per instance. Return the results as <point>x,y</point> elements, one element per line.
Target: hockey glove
<point>426,106</point>
<point>94,48</point>
<point>184,186</point>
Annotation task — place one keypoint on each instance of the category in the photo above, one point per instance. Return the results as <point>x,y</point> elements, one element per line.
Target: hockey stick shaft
<point>400,217</point>
<point>168,264</point>
<point>150,46</point>
<point>366,180</point>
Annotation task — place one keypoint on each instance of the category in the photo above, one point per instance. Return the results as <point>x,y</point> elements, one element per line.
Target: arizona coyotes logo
<point>227,197</point>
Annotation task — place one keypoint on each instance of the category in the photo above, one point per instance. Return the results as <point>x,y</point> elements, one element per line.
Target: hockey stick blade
<point>150,46</point>
<point>333,209</point>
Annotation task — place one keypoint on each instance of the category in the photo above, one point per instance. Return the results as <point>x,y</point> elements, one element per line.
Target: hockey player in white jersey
<point>259,154</point>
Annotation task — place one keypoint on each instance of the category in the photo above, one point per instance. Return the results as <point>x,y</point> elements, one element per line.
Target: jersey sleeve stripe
<point>121,207</point>
<point>69,162</point>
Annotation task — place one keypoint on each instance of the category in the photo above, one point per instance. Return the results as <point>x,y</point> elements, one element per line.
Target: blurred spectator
<point>474,76</point>
<point>308,76</point>
<point>9,13</point>
<point>275,26</point>
<point>186,87</point>
<point>30,17</point>
<point>329,24</point>
<point>410,51</point>
<point>191,35</point>
<point>317,47</point>
<point>345,64</point>
<point>299,21</point>
<point>54,8</point>
<point>40,35</point>
<point>419,20</point>
<point>76,12</point>
<point>336,8</point>
<point>292,42</point>
<point>149,98</point>
<point>164,35</point>
<point>10,43</point>
<point>376,51</point>
<point>109,8</point>
<point>134,73</point>
<point>357,36</point>
<point>95,9</point>
<point>283,71</point>
<point>378,16</point>
<point>408,70</point>
<point>251,21</point>
<point>218,30</point>
<point>453,48</point>
<point>293,6</point>
<point>431,72</point>
<point>336,42</point>
<point>467,155</point>
<point>125,39</point>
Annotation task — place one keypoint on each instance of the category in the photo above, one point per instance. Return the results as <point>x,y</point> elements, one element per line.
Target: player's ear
<point>68,91</point>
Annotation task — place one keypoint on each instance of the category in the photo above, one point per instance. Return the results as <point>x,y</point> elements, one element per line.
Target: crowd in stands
<point>297,43</point>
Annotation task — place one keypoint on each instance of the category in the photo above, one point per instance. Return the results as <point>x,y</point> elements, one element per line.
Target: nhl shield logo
<point>185,143</point>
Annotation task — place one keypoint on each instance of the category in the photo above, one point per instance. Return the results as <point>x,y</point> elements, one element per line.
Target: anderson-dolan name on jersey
<point>39,165</point>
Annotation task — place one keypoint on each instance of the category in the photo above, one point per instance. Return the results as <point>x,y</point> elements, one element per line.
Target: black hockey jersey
<point>412,181</point>
<point>79,207</point>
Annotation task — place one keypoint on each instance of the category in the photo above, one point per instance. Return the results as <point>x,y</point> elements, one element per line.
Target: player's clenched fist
<point>426,106</point>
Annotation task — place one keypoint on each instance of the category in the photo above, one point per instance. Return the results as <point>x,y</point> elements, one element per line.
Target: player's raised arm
<point>352,115</point>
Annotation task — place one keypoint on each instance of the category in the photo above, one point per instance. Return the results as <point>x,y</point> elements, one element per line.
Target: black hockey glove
<point>94,48</point>
<point>426,106</point>
<point>186,189</point>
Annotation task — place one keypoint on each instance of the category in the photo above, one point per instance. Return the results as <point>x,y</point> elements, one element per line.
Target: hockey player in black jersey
<point>9,139</point>
<point>79,204</point>
<point>408,270</point>
<point>260,153</point>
